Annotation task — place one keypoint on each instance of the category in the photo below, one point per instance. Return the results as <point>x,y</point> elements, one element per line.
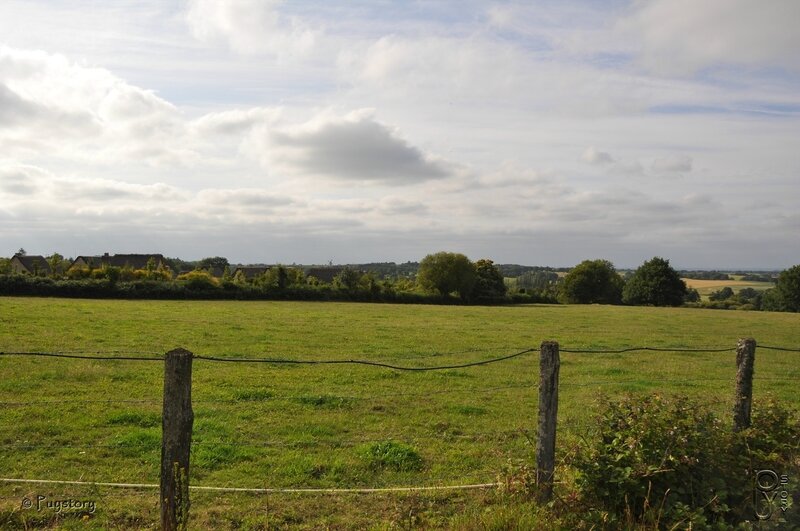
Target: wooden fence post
<point>743,400</point>
<point>176,438</point>
<point>549,364</point>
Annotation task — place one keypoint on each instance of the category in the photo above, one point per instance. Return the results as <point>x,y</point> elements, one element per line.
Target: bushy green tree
<point>447,273</point>
<point>56,263</point>
<point>348,279</point>
<point>654,283</point>
<point>787,289</point>
<point>592,281</point>
<point>215,262</point>
<point>721,294</point>
<point>692,295</point>
<point>488,280</point>
<point>277,277</point>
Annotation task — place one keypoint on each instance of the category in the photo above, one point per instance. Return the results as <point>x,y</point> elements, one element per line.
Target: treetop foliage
<point>447,273</point>
<point>590,282</point>
<point>655,283</point>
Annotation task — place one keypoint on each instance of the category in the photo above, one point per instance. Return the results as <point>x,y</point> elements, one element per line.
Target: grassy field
<point>707,287</point>
<point>325,426</point>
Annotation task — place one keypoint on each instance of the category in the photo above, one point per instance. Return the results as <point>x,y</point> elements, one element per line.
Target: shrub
<point>198,280</point>
<point>668,461</point>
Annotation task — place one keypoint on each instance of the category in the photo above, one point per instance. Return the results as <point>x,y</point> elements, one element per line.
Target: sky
<point>539,133</point>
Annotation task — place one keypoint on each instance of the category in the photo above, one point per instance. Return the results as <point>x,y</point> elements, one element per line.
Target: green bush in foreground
<point>669,462</point>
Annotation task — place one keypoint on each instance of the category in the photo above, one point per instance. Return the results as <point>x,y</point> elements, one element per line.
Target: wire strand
<point>363,362</point>
<point>784,349</point>
<point>652,349</point>
<point>83,356</point>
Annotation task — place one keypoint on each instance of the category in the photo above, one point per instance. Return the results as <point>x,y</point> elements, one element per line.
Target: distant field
<point>706,287</point>
<point>312,426</point>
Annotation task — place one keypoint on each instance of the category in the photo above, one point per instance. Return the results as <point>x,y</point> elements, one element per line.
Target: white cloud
<point>71,110</point>
<point>683,36</point>
<point>234,122</point>
<point>250,27</point>
<point>354,147</point>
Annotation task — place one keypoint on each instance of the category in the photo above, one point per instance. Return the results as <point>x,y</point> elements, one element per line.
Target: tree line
<point>442,277</point>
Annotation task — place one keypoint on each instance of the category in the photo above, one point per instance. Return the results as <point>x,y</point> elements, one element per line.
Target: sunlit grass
<point>265,425</point>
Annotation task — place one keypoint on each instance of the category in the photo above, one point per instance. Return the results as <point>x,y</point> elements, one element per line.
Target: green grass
<point>264,425</point>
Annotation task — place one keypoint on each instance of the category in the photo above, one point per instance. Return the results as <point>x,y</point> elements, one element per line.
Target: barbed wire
<point>363,362</point>
<point>275,361</point>
<point>84,356</point>
<point>785,349</point>
<point>652,349</point>
<point>287,361</point>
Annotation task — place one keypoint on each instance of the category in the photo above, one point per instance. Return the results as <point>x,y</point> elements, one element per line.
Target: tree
<point>347,279</point>
<point>215,262</point>
<point>56,263</point>
<point>722,294</point>
<point>786,296</point>
<point>692,295</point>
<point>537,280</point>
<point>488,280</point>
<point>447,272</point>
<point>654,283</point>
<point>592,281</point>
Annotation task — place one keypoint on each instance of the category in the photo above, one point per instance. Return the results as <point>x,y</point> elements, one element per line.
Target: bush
<point>668,461</point>
<point>198,280</point>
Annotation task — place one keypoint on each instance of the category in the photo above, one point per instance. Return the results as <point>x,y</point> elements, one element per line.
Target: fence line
<point>286,361</point>
<point>177,415</point>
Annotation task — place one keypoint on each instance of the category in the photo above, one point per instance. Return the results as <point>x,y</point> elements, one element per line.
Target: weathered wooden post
<point>176,439</point>
<point>549,364</point>
<point>743,400</point>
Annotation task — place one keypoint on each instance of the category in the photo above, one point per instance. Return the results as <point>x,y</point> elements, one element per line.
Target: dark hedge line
<point>24,285</point>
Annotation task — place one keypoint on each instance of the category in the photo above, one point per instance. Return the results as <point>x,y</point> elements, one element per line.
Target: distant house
<point>134,261</point>
<point>324,274</point>
<point>251,272</point>
<point>216,272</point>
<point>30,264</point>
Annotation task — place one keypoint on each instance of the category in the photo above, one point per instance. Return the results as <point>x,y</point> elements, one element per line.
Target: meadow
<point>707,287</point>
<point>336,426</point>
